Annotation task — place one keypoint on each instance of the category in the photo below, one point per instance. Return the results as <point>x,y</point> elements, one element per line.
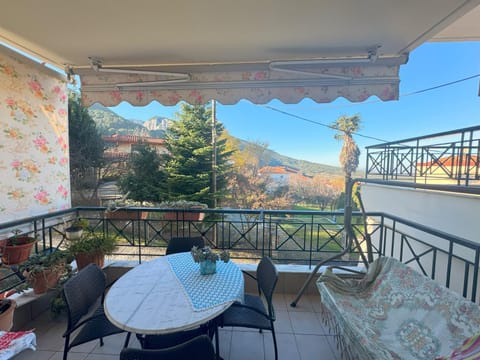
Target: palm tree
<point>350,153</point>
<point>349,158</point>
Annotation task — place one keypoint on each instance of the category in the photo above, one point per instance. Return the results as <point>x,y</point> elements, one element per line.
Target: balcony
<point>295,240</point>
<point>447,158</point>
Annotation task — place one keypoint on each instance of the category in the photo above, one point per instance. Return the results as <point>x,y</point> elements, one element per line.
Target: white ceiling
<point>157,32</point>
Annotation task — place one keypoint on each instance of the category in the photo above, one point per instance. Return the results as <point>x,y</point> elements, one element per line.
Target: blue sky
<point>432,64</point>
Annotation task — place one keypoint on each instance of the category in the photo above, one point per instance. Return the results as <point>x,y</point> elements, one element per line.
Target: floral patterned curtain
<point>34,162</point>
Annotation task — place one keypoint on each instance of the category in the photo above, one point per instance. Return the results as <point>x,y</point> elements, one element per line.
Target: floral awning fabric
<point>34,162</point>
<point>258,83</point>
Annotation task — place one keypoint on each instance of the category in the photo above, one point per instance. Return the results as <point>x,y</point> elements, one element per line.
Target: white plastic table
<point>156,296</point>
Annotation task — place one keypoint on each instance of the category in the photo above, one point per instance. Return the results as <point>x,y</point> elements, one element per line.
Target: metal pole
<point>214,154</point>
<point>214,166</point>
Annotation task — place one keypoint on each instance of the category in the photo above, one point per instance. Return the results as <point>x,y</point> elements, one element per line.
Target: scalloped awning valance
<point>288,81</point>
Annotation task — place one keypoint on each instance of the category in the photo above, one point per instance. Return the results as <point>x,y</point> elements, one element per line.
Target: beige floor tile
<point>34,355</point>
<point>246,345</point>
<point>303,304</point>
<point>301,335</point>
<point>279,302</point>
<point>71,356</point>
<point>314,347</point>
<point>225,340</point>
<point>282,323</point>
<point>307,323</point>
<point>287,347</point>
<point>315,301</point>
<point>101,357</point>
<point>113,344</point>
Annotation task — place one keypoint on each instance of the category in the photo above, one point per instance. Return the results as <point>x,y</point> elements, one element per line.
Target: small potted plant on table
<point>208,259</point>
<point>43,271</point>
<point>179,214</point>
<point>91,248</point>
<point>17,248</point>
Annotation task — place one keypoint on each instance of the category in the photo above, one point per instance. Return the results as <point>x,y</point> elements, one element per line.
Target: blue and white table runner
<point>206,291</point>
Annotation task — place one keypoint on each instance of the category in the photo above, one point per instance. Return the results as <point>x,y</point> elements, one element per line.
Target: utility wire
<point>319,123</point>
<point>370,102</point>
<point>440,86</point>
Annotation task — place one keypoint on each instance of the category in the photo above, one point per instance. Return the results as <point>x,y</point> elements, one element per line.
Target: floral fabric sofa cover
<point>394,312</point>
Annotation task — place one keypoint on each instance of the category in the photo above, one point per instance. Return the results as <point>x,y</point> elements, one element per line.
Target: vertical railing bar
<point>434,264</point>
<point>475,275</point>
<point>449,263</point>
<point>465,279</point>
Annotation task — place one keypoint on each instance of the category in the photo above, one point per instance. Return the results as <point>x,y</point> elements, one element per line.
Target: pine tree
<point>146,179</point>
<point>189,167</point>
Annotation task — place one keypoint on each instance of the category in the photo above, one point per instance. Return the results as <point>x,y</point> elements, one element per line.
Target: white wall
<point>457,214</point>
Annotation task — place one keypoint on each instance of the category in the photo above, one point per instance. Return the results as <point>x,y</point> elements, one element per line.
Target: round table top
<point>151,299</point>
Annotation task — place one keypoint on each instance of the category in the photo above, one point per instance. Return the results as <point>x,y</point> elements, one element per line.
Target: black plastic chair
<point>83,296</point>
<point>199,348</point>
<point>168,340</point>
<point>183,244</point>
<point>252,313</point>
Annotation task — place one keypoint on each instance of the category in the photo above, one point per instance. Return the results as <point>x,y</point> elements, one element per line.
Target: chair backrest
<point>199,348</point>
<point>184,244</point>
<point>267,277</point>
<point>82,291</point>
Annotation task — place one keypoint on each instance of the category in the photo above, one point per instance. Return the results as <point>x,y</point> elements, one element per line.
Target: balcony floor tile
<point>301,335</point>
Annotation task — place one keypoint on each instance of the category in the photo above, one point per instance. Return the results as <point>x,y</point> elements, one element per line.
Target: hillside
<point>109,123</point>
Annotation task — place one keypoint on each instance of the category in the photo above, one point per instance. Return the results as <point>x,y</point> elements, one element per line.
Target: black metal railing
<point>288,237</point>
<point>451,157</point>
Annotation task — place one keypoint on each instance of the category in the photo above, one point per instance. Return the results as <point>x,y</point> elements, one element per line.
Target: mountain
<point>109,123</point>
<point>306,167</point>
<point>157,126</point>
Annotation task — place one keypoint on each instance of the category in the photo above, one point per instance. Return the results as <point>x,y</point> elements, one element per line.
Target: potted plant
<point>75,230</point>
<point>179,213</point>
<point>43,271</point>
<point>7,307</point>
<point>17,248</point>
<point>208,259</point>
<point>91,248</point>
<point>120,210</point>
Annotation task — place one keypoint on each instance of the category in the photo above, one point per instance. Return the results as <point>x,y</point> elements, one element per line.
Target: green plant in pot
<point>91,247</point>
<point>43,271</point>
<point>17,248</point>
<point>75,230</point>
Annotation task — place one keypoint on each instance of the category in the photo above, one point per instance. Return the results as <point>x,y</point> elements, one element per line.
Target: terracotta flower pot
<point>83,259</point>
<point>7,307</point>
<point>184,216</point>
<point>44,281</point>
<point>18,253</point>
<point>126,214</point>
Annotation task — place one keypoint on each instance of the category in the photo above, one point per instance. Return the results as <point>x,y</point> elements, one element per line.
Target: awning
<point>322,80</point>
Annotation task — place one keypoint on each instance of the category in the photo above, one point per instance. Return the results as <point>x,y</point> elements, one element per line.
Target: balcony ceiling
<point>187,36</point>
